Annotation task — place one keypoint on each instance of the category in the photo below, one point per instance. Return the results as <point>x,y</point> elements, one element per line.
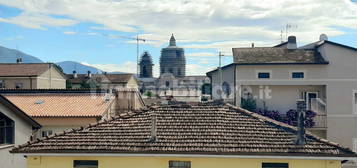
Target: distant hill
<point>69,66</point>
<point>8,55</point>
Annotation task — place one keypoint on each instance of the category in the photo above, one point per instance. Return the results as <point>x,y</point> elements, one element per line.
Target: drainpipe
<point>301,110</point>
<point>235,85</point>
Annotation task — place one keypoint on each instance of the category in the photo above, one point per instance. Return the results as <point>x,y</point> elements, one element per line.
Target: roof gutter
<point>191,155</point>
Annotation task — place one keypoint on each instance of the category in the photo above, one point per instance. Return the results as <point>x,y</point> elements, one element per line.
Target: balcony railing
<point>319,106</point>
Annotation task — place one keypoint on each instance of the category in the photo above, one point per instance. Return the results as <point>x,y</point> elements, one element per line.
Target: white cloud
<point>200,54</point>
<point>213,21</point>
<point>38,21</point>
<point>70,32</point>
<point>195,69</point>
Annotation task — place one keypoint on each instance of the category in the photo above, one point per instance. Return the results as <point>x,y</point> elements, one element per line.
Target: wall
<point>283,98</point>
<point>62,124</point>
<point>51,79</point>
<point>27,82</point>
<point>162,162</point>
<point>23,132</point>
<point>227,76</point>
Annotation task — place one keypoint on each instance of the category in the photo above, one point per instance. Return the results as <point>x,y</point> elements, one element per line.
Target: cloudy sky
<point>99,32</point>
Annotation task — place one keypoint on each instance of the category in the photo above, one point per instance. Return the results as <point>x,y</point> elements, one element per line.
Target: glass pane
<point>263,75</point>
<point>298,75</point>
<point>9,134</point>
<point>2,135</point>
<point>275,165</point>
<point>179,164</point>
<point>85,164</point>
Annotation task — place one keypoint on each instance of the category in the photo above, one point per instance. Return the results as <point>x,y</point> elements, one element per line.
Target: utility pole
<point>220,73</point>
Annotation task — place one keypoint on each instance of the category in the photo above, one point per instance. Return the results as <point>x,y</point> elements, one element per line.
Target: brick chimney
<point>301,132</point>
<point>291,43</point>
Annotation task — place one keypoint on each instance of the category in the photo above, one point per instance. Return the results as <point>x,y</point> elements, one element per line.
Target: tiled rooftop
<point>60,104</point>
<point>22,69</point>
<point>273,55</point>
<point>102,78</point>
<point>187,129</point>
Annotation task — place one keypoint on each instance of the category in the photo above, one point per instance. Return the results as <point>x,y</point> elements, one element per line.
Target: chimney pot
<point>153,134</point>
<point>301,111</point>
<point>74,74</point>
<point>323,37</point>
<point>19,60</point>
<point>89,74</point>
<point>291,42</point>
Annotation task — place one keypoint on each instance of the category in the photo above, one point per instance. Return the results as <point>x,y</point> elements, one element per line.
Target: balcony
<point>318,105</point>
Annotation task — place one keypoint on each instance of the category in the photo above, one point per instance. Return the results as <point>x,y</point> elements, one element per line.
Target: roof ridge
<point>287,126</point>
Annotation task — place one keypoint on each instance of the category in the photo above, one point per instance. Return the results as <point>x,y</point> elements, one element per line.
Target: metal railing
<point>318,105</point>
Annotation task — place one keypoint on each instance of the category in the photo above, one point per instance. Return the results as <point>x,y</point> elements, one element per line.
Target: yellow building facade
<point>163,162</point>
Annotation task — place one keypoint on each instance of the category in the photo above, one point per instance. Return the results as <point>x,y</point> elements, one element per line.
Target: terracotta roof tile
<point>273,55</point>
<point>22,69</point>
<point>60,104</point>
<point>104,78</point>
<point>199,129</point>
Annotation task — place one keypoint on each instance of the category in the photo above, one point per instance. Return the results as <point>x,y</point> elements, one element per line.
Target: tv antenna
<point>287,28</point>
<point>137,39</point>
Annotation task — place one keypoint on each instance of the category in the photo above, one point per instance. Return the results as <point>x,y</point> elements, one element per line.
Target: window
<point>354,144</point>
<point>85,164</point>
<point>46,133</point>
<point>264,75</point>
<point>167,83</point>
<point>275,165</point>
<point>179,164</point>
<point>2,84</point>
<point>296,75</point>
<point>355,102</point>
<point>18,85</point>
<point>7,130</point>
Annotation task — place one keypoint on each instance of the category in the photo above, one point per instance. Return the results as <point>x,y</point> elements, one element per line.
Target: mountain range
<point>8,55</point>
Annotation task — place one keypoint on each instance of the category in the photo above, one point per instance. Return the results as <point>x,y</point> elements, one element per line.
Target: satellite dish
<point>323,37</point>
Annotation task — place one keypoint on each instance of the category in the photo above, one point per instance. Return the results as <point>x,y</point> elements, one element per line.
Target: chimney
<point>19,60</point>
<point>75,74</point>
<point>153,134</point>
<point>301,110</point>
<point>291,43</point>
<point>252,45</point>
<point>89,74</point>
<point>323,37</point>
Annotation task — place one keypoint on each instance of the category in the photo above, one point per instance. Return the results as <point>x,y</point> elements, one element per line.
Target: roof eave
<point>187,154</point>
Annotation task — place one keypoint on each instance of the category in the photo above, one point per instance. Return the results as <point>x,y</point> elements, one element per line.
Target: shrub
<point>249,104</point>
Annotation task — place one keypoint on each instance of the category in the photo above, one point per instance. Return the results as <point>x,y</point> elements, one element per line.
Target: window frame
<point>2,84</point>
<point>297,71</point>
<point>76,166</point>
<point>271,163</point>
<point>21,85</point>
<point>182,161</point>
<point>9,124</point>
<point>354,102</point>
<point>354,144</point>
<point>257,72</point>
